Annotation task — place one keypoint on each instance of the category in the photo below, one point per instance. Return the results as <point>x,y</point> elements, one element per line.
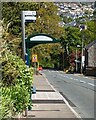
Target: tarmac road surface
<point>79,90</point>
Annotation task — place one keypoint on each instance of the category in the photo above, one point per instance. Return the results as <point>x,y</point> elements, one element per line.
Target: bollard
<point>26,112</point>
<point>32,91</point>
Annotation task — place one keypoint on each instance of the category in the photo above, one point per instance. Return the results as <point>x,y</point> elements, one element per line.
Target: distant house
<point>90,59</point>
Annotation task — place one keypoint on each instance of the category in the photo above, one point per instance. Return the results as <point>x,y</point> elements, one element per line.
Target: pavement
<point>49,103</point>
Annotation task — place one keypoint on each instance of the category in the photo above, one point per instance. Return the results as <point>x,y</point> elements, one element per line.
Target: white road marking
<point>91,84</point>
<point>49,82</point>
<point>76,114</point>
<point>61,75</point>
<point>85,77</point>
<point>82,81</point>
<point>75,79</point>
<point>89,78</point>
<point>66,76</point>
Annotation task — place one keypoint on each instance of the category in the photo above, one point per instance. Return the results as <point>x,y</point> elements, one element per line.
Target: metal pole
<point>23,34</point>
<point>76,60</point>
<point>83,27</point>
<point>82,55</point>
<point>23,43</point>
<point>63,59</point>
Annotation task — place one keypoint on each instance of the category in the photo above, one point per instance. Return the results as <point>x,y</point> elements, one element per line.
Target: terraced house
<point>90,59</point>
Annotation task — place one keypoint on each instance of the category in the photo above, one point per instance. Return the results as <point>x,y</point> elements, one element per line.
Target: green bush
<point>15,86</point>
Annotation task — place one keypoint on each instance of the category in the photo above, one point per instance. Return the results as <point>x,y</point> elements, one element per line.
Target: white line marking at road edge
<point>49,82</point>
<point>75,113</point>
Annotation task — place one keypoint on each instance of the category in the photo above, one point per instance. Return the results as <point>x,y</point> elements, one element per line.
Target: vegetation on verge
<point>16,82</point>
<point>16,85</point>
<point>16,77</point>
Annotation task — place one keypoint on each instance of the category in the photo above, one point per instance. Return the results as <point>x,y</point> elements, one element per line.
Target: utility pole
<point>82,54</point>
<point>23,34</point>
<point>77,57</point>
<point>63,58</point>
<point>76,60</point>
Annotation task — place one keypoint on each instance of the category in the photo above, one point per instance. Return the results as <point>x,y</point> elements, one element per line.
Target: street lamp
<point>77,58</point>
<point>82,27</point>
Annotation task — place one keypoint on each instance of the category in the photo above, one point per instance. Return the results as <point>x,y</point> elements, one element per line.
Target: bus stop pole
<point>23,34</point>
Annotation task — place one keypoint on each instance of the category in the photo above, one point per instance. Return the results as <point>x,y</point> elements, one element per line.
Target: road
<point>78,90</point>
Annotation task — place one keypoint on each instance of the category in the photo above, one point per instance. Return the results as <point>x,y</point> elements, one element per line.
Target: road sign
<point>29,16</point>
<point>41,38</point>
<point>26,16</point>
<point>34,58</point>
<point>29,13</point>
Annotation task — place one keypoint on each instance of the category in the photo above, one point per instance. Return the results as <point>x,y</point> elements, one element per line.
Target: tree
<point>46,22</point>
<point>69,42</point>
<point>48,54</point>
<point>11,14</point>
<point>89,34</point>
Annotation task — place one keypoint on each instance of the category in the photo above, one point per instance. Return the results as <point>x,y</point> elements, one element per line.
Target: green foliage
<point>46,22</point>
<point>46,19</point>
<point>66,19</point>
<point>48,54</point>
<point>16,85</point>
<point>90,32</point>
<point>11,14</point>
<point>69,41</point>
